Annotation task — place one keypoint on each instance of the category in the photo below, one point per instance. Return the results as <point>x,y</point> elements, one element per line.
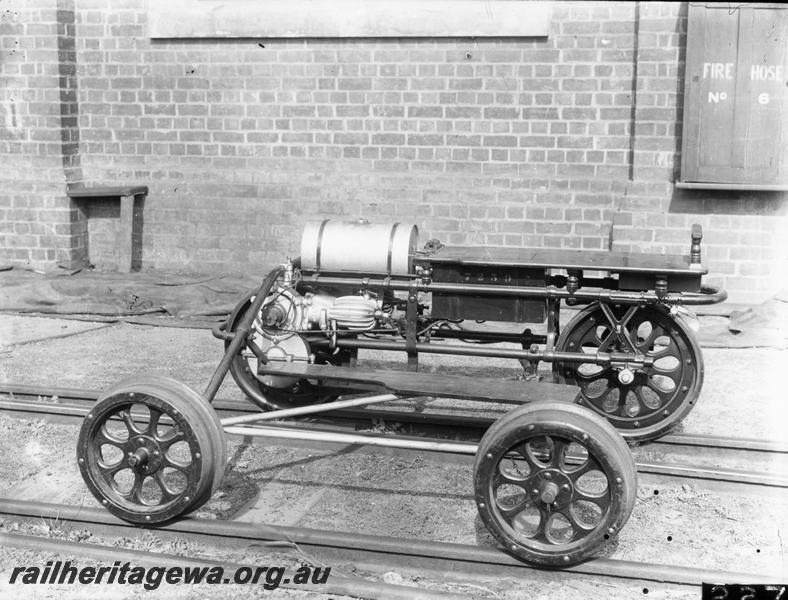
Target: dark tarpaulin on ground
<point>152,293</point>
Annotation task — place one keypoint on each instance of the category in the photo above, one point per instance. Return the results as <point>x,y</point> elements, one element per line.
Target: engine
<point>289,317</point>
<point>290,312</point>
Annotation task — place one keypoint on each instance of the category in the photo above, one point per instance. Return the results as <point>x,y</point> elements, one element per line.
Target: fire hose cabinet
<point>735,104</point>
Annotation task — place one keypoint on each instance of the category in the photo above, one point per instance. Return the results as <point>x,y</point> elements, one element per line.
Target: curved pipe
<point>220,331</point>
<point>709,294</point>
<point>241,331</point>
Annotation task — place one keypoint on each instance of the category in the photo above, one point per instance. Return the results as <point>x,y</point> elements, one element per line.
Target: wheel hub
<point>147,456</point>
<point>552,489</point>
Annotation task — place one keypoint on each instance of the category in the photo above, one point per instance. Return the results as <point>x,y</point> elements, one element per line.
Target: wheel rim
<point>143,458</point>
<point>658,396</point>
<point>552,495</point>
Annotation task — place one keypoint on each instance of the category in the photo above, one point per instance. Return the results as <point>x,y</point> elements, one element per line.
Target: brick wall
<point>37,143</point>
<point>569,141</point>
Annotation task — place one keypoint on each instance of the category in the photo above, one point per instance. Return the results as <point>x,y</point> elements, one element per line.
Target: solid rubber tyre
<point>523,518</point>
<point>191,421</point>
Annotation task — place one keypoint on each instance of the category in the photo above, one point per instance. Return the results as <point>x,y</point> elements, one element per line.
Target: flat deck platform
<point>618,262</point>
<point>414,383</point>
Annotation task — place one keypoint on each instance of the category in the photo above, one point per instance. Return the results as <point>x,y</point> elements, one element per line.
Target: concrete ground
<point>399,493</point>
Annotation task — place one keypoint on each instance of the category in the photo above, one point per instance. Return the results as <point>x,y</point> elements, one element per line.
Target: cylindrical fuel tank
<point>359,246</point>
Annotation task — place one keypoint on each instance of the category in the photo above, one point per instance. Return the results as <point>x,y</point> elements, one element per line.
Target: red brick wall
<point>489,141</point>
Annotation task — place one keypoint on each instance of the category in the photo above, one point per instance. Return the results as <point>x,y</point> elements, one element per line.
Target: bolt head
<point>105,501</point>
<point>197,455</point>
<point>531,427</point>
<point>566,558</point>
<point>626,376</point>
<point>481,504</point>
<point>619,480</point>
<point>90,415</point>
<point>81,461</point>
<point>147,517</point>
<point>489,455</point>
<point>186,499</point>
<point>565,487</point>
<point>548,476</point>
<point>534,492</point>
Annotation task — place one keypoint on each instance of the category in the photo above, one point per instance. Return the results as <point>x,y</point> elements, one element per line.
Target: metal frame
<point>412,346</point>
<point>573,289</point>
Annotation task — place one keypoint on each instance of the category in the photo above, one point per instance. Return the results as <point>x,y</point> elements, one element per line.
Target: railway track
<point>374,554</point>
<point>331,547</point>
<point>69,403</point>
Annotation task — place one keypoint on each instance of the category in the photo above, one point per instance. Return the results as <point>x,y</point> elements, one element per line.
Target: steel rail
<point>334,545</point>
<point>473,425</point>
<point>677,470</point>
<point>324,435</point>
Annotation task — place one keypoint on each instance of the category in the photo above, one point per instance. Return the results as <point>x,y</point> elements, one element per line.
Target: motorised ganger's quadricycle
<point>553,477</point>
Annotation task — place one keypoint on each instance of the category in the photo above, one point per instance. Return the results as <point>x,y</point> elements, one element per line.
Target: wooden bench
<point>126,194</point>
<point>426,384</point>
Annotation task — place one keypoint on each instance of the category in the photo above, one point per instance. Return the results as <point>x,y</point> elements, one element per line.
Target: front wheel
<point>553,482</point>
<point>151,449</point>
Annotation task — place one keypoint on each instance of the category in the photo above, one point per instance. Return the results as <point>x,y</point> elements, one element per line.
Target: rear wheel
<point>644,403</point>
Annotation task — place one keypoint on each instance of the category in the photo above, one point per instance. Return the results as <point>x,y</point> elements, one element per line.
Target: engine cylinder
<point>359,246</point>
<point>353,312</point>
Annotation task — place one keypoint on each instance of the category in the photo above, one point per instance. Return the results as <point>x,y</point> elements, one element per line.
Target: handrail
<point>709,294</point>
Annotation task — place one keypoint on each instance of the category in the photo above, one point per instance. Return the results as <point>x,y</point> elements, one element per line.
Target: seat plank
<point>412,383</point>
<point>488,256</point>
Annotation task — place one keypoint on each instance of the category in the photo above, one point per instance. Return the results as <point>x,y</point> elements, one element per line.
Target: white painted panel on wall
<point>348,18</point>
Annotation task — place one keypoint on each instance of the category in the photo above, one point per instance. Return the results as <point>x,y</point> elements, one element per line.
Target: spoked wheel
<point>151,449</point>
<point>553,482</point>
<point>642,403</point>
<point>267,397</point>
